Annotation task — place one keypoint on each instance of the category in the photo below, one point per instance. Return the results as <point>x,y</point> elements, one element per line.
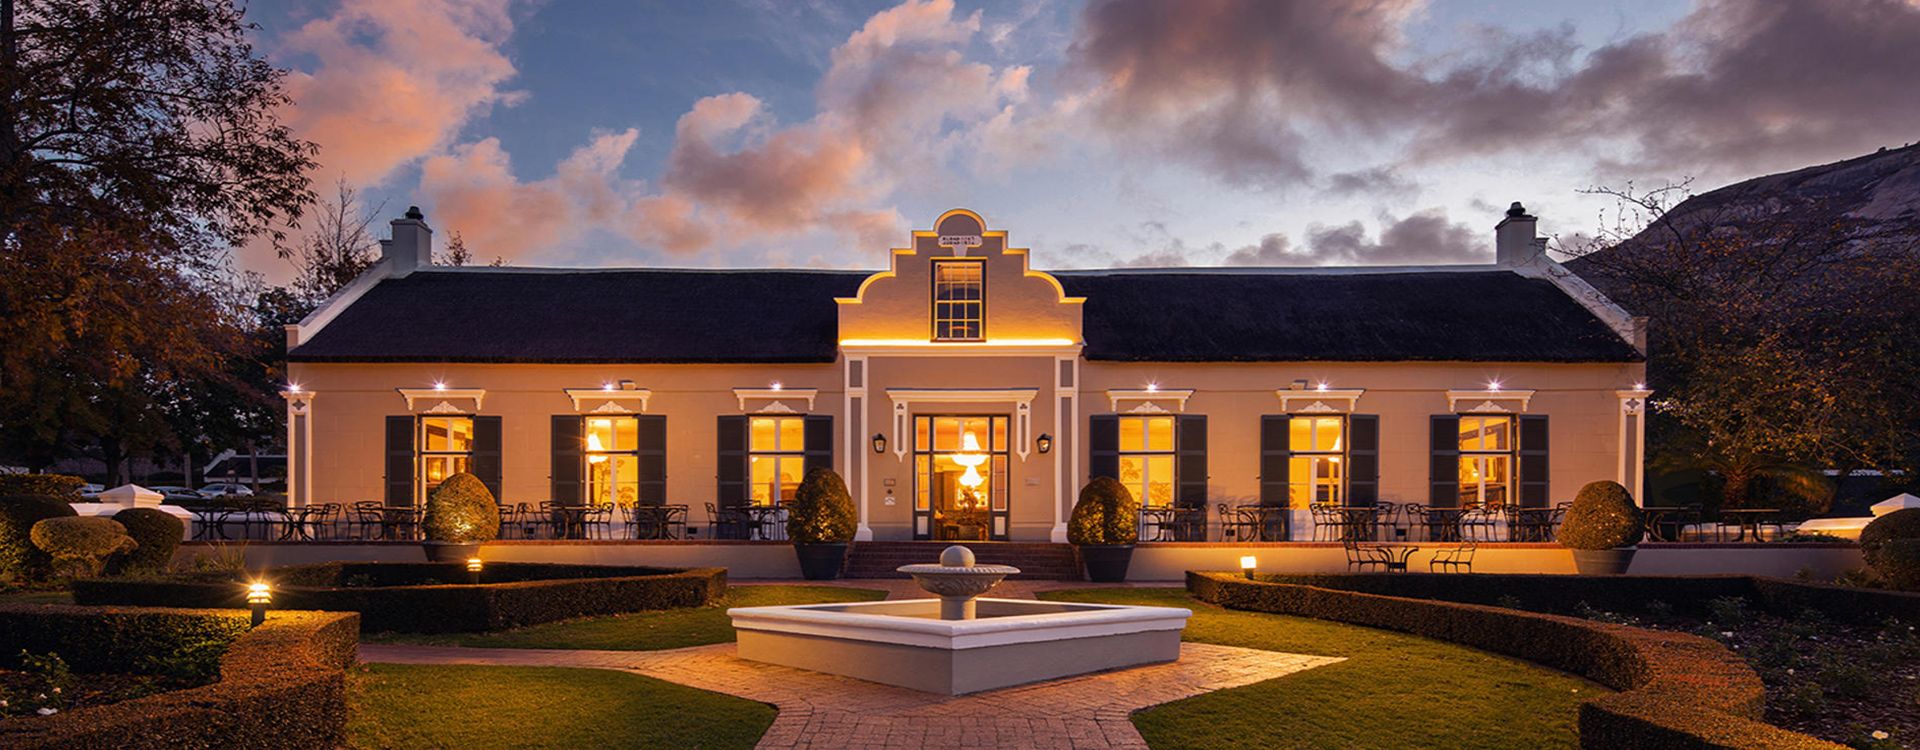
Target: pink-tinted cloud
<point>395,79</point>
<point>472,190</point>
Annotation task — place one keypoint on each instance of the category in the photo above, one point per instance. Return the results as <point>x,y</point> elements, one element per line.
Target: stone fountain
<point>958,580</point>
<point>960,642</point>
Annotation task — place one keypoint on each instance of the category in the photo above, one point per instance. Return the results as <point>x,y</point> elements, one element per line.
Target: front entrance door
<point>960,478</point>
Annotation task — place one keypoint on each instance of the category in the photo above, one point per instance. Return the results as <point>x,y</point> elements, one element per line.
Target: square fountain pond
<point>1009,642</point>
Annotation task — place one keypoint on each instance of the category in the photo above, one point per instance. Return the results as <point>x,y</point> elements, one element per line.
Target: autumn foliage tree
<point>139,142</point>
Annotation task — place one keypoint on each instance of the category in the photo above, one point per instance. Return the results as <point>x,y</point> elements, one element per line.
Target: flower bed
<point>1677,690</point>
<point>433,597</point>
<point>281,685</point>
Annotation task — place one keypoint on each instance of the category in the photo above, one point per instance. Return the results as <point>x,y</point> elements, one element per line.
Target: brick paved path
<point>826,711</point>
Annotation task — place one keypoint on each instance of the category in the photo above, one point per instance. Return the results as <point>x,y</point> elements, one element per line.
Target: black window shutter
<point>1533,461</point>
<point>1443,472</point>
<point>1103,443</point>
<point>1363,459</point>
<point>819,443</point>
<point>731,462</point>
<point>569,459</point>
<point>652,449</point>
<point>399,461</point>
<point>1190,459</point>
<point>1276,454</point>
<point>486,453</point>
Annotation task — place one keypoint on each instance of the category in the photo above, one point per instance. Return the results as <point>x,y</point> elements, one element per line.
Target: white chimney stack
<point>412,243</point>
<point>1514,242</point>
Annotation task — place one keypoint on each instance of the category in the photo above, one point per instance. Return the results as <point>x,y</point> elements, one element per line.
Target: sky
<point>774,133</point>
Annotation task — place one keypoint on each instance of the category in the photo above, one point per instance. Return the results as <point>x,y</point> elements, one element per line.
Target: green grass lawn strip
<point>1393,691</point>
<point>405,707</point>
<point>641,631</point>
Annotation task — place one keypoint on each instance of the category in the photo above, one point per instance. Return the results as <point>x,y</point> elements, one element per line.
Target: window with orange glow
<point>613,461</point>
<point>1486,460</point>
<point>446,449</point>
<point>776,457</point>
<point>1146,459</point>
<point>959,300</point>
<point>1316,469</point>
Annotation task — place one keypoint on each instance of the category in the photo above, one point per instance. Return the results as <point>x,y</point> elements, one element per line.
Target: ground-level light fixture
<point>259,595</point>
<point>1247,564</point>
<point>879,442</point>
<point>473,569</point>
<point>1044,443</point>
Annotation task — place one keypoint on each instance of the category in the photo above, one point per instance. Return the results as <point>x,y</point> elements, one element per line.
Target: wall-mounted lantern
<point>879,442</point>
<point>1044,442</point>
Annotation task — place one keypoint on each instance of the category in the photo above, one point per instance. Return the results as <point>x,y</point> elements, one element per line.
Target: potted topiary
<point>1104,526</point>
<point>461,516</point>
<point>1601,528</point>
<point>81,544</point>
<point>820,523</point>
<point>1895,526</point>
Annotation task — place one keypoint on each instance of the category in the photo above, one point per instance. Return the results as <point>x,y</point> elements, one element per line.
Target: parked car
<point>91,491</point>
<point>226,489</point>
<point>174,495</point>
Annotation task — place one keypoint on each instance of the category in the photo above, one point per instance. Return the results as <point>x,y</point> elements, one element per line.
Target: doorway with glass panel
<point>960,478</point>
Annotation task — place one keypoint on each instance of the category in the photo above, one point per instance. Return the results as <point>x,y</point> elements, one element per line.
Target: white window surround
<point>776,399</point>
<point>1503,401</point>
<point>1149,400</point>
<point>1021,398</point>
<point>604,401</point>
<point>1319,401</point>
<point>442,400</point>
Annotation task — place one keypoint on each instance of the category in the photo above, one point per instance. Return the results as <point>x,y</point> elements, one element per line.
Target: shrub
<point>158,535</point>
<point>462,511</point>
<point>1106,513</point>
<point>18,513</point>
<point>821,511</point>
<point>1603,516</point>
<point>1900,524</point>
<point>82,543</point>
<point>1899,564</point>
<point>60,487</point>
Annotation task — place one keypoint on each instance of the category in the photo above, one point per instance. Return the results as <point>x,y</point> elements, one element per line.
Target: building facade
<point>963,394</point>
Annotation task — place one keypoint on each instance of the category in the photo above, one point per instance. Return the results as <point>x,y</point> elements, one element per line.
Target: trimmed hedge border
<point>282,685</point>
<point>1627,593</point>
<point>397,597</point>
<point>1676,690</point>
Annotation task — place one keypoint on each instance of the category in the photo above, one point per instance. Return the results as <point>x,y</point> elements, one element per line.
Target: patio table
<point>766,522</point>
<point>296,522</point>
<point>1665,522</point>
<point>1396,555</point>
<point>399,522</point>
<point>1529,524</point>
<point>1269,522</point>
<point>1749,520</point>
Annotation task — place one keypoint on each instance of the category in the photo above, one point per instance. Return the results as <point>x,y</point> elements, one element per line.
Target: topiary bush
<point>1899,564</point>
<point>62,487</point>
<point>1900,524</point>
<point>462,511</point>
<point>158,535</point>
<point>1603,516</point>
<point>82,543</point>
<point>821,511</point>
<point>19,559</point>
<point>1106,513</point>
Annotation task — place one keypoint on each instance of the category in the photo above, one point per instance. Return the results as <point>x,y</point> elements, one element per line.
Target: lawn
<point>1394,690</point>
<point>414,706</point>
<point>641,631</point>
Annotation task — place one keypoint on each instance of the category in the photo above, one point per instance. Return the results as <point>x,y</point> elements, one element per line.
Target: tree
<point>457,253</point>
<point>338,249</point>
<point>1781,344</point>
<point>138,143</point>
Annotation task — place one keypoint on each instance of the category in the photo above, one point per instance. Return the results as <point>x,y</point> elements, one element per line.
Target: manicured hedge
<point>18,513</point>
<point>433,597</point>
<point>1564,593</point>
<point>282,685</point>
<point>1677,690</point>
<point>157,532</point>
<point>61,487</point>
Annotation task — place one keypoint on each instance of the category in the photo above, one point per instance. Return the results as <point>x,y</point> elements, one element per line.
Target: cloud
<point>1423,238</point>
<point>1272,250</point>
<point>1377,182</point>
<point>472,190</point>
<point>395,80</point>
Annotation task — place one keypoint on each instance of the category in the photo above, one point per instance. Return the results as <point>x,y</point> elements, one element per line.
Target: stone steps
<point>1036,560</point>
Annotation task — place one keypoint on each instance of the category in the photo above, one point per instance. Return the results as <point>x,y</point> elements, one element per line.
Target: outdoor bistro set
<point>374,521</point>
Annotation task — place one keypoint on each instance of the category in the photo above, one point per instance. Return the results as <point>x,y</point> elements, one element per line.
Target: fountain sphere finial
<point>957,556</point>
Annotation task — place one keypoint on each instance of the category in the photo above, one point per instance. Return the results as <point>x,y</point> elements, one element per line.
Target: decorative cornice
<point>1505,400</point>
<point>1176,396</point>
<point>610,401</point>
<point>776,396</point>
<point>299,402</point>
<point>1633,401</point>
<point>444,398</point>
<point>1319,401</point>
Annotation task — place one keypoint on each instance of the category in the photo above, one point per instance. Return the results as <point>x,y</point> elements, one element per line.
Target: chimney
<point>1514,243</point>
<point>412,243</point>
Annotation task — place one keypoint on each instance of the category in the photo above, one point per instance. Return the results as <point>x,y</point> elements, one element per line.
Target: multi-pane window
<point>446,449</point>
<point>959,299</point>
<point>1317,452</point>
<point>776,457</point>
<point>1147,459</point>
<point>613,461</point>
<point>1486,460</point>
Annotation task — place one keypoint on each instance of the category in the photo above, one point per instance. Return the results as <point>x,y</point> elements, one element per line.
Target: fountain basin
<point>1009,642</point>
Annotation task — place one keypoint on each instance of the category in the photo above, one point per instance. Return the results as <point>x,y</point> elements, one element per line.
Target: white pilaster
<point>299,446</point>
<point>1632,470</point>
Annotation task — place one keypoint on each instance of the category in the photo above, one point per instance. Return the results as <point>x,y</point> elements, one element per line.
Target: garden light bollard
<point>473,569</point>
<point>259,595</point>
<point>1247,564</point>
